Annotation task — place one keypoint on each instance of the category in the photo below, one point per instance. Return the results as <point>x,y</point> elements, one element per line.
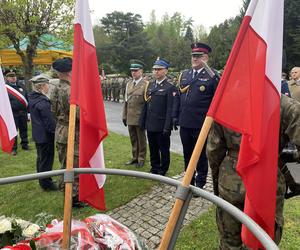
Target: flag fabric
<point>248,101</point>
<point>8,129</point>
<point>86,93</point>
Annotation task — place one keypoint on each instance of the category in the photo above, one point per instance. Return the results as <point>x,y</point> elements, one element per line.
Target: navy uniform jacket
<point>43,123</point>
<point>192,104</point>
<point>158,113</point>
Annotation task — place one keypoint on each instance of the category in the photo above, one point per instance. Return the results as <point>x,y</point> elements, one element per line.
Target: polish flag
<point>86,93</point>
<point>248,101</point>
<point>7,124</point>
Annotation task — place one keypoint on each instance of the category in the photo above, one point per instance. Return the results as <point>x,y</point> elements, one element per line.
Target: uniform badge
<point>202,88</point>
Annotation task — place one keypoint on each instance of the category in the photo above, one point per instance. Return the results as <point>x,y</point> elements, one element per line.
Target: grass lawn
<point>202,232</point>
<point>27,199</point>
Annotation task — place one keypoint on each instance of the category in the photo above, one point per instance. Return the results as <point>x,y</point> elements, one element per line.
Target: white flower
<point>5,225</point>
<point>23,223</point>
<point>30,231</point>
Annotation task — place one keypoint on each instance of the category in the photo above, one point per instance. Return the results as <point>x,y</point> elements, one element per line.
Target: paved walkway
<point>148,214</point>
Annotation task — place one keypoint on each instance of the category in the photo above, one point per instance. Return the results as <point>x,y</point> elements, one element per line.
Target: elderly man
<point>157,117</point>
<point>196,90</point>
<point>43,128</point>
<point>18,100</point>
<point>294,83</point>
<point>132,109</point>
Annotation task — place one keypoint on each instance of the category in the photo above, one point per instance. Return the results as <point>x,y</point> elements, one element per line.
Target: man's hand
<point>175,123</point>
<point>125,122</point>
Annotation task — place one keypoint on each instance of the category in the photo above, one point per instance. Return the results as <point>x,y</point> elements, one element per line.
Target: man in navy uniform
<point>157,117</point>
<point>18,100</point>
<point>196,90</point>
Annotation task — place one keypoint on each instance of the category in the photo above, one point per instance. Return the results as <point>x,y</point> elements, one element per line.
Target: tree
<point>31,19</point>
<point>291,41</point>
<point>126,40</point>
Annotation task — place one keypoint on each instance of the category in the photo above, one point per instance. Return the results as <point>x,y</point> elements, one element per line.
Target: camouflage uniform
<point>60,108</point>
<point>222,151</point>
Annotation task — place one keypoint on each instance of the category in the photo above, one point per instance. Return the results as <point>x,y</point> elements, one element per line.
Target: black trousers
<point>44,161</point>
<point>189,138</point>
<point>21,125</point>
<point>159,145</point>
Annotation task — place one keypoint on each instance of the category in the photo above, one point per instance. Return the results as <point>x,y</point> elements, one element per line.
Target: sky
<point>205,12</point>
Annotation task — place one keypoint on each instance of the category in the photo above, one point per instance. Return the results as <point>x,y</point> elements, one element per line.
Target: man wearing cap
<point>60,108</point>
<point>157,117</point>
<point>132,109</point>
<point>43,128</point>
<point>18,100</point>
<point>196,90</point>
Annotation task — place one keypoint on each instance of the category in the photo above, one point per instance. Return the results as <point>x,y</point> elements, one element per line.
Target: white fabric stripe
<point>97,161</point>
<point>267,21</point>
<point>17,93</point>
<point>5,109</point>
<point>81,8</point>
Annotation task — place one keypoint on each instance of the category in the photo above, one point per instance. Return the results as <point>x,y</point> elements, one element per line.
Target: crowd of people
<point>154,105</point>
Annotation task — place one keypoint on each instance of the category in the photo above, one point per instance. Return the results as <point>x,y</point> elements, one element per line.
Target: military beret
<point>42,78</point>
<point>9,73</point>
<point>62,64</point>
<point>200,49</point>
<point>161,63</point>
<point>136,64</point>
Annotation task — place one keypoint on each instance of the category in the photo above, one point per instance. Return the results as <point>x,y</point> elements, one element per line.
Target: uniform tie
<point>195,74</point>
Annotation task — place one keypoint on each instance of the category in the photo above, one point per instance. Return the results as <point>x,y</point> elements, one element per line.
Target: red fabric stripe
<point>6,143</point>
<point>86,93</point>
<point>17,95</point>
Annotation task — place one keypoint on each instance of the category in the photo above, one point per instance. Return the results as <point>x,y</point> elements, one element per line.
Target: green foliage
<point>292,33</point>
<point>31,19</point>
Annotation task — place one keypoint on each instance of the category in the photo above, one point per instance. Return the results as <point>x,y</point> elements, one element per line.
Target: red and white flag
<point>86,93</point>
<point>248,101</point>
<point>7,124</point>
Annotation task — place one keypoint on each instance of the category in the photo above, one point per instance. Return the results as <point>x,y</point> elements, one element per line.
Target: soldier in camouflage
<point>222,152</point>
<point>60,108</point>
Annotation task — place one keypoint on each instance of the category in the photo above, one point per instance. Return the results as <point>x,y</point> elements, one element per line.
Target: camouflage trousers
<point>232,190</point>
<point>62,156</point>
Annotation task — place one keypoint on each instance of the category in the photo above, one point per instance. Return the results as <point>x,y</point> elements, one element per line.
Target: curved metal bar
<point>261,235</point>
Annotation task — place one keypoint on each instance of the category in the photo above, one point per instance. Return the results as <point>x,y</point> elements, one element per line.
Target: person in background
<point>294,83</point>
<point>196,91</point>
<point>19,104</point>
<point>132,109</point>
<point>284,85</point>
<point>157,117</point>
<point>43,128</point>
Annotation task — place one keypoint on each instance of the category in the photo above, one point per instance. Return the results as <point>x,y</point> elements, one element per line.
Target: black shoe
<point>140,164</point>
<point>132,162</point>
<point>25,147</point>
<point>52,187</point>
<point>14,152</point>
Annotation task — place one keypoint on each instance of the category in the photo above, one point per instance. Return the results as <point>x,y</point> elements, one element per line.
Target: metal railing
<point>182,193</point>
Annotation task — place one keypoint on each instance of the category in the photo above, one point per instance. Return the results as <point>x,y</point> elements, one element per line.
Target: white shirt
<point>136,82</point>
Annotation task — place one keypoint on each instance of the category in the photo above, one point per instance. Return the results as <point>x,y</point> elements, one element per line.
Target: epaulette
<point>147,98</point>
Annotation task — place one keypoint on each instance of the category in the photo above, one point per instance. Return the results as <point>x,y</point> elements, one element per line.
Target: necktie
<point>195,74</point>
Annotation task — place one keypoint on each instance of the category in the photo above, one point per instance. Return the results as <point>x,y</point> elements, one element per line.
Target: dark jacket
<point>194,98</point>
<point>17,103</point>
<point>43,124</point>
<point>158,113</point>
